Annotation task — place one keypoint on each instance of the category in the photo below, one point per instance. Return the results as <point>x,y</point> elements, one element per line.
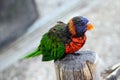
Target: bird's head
<point>77,26</point>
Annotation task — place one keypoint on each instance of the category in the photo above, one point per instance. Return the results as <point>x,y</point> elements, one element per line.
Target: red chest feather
<point>75,45</point>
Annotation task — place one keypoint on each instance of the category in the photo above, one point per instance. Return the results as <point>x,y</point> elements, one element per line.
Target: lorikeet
<point>63,39</point>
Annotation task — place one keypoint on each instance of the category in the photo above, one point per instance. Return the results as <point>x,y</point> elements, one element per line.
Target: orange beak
<point>90,26</point>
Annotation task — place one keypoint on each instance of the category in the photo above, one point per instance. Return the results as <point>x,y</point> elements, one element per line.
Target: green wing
<point>51,47</point>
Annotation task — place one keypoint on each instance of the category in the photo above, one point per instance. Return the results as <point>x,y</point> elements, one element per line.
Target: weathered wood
<point>112,73</point>
<point>79,66</point>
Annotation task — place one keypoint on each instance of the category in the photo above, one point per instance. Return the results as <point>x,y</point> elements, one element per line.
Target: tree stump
<point>78,66</point>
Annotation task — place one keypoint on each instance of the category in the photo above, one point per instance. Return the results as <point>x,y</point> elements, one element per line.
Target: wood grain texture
<point>79,66</point>
<point>112,73</point>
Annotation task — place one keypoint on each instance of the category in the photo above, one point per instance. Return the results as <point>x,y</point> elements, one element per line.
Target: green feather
<point>51,45</point>
<point>33,54</point>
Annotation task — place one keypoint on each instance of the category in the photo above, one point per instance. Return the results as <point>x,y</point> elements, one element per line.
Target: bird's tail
<point>33,54</point>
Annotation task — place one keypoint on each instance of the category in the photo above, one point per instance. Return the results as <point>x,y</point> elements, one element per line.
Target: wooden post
<point>80,66</point>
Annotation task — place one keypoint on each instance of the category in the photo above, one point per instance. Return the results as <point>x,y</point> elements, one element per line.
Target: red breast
<point>75,44</point>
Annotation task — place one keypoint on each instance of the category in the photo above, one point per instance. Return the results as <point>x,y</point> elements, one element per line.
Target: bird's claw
<point>76,54</point>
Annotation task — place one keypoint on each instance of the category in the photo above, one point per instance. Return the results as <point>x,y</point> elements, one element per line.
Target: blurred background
<point>23,22</point>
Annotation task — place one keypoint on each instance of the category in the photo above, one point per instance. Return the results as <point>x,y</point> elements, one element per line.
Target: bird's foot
<point>76,54</point>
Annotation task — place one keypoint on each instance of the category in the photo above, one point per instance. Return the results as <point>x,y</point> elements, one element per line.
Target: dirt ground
<point>104,40</point>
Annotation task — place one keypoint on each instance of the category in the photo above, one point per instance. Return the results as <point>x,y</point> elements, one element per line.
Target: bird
<point>63,39</point>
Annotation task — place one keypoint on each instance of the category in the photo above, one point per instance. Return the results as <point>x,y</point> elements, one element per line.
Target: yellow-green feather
<point>51,46</point>
<point>33,54</point>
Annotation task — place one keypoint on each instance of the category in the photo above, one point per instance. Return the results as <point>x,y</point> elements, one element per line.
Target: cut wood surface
<point>79,66</point>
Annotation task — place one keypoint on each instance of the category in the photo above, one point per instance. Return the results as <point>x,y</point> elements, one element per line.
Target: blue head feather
<point>80,24</point>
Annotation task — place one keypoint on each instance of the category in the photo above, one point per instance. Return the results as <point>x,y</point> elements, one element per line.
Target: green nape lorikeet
<point>63,39</point>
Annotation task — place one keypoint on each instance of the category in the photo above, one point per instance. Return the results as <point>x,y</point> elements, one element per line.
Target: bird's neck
<point>67,31</point>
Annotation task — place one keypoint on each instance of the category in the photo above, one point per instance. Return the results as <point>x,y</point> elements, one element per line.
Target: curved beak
<point>90,26</point>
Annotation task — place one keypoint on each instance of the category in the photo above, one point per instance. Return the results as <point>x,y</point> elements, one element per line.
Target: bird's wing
<point>51,47</point>
<point>51,44</point>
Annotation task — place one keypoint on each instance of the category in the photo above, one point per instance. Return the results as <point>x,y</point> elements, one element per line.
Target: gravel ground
<point>104,40</point>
